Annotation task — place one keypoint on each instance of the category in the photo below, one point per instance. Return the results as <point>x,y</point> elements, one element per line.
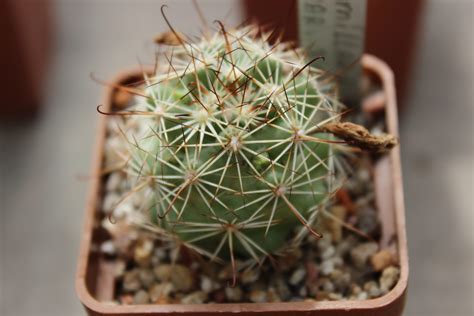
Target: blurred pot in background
<point>391,30</point>
<point>25,36</point>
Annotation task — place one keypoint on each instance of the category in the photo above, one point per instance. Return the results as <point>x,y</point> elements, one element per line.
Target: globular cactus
<point>227,151</point>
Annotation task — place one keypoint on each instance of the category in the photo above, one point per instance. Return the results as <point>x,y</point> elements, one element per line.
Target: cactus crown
<point>223,147</point>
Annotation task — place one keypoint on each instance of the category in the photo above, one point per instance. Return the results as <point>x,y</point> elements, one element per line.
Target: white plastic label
<point>335,29</point>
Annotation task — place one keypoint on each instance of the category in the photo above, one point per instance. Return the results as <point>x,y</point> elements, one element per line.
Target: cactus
<point>225,149</point>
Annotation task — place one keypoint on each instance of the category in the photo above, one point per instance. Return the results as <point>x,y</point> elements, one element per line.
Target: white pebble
<point>206,284</point>
<point>297,276</point>
<point>108,247</point>
<point>328,253</point>
<point>327,267</point>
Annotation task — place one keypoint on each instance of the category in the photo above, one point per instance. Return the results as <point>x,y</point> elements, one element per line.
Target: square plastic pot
<point>95,279</point>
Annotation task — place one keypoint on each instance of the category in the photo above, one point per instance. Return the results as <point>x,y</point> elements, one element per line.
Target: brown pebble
<point>141,297</point>
<point>142,252</point>
<point>382,260</point>
<point>258,296</point>
<point>197,297</point>
<point>126,299</point>
<point>180,276</point>
<point>322,296</point>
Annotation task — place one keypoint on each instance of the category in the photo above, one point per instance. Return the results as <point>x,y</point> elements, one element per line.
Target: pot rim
<point>394,297</point>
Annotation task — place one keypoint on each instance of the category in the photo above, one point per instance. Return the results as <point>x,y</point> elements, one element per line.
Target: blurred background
<point>48,124</point>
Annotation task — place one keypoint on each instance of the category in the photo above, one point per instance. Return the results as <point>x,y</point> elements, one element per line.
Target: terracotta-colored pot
<point>26,35</point>
<point>95,280</point>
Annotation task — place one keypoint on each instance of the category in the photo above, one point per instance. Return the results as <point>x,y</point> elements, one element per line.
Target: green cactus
<point>226,144</point>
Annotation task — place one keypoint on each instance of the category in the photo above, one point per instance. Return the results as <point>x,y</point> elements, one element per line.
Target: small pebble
<point>382,260</point>
<point>327,267</point>
<point>108,248</point>
<point>362,296</point>
<point>160,291</point>
<point>389,278</point>
<point>363,175</point>
<point>131,281</point>
<point>258,296</point>
<point>126,299</point>
<point>233,294</point>
<point>335,296</point>
<point>142,252</point>
<point>346,245</point>
<point>341,280</point>
<point>141,297</point>
<point>338,262</point>
<point>207,285</point>
<point>322,296</point>
<point>362,253</point>
<point>355,289</point>
<point>372,289</point>
<point>327,285</point>
<point>324,242</point>
<point>147,277</point>
<point>297,276</point>
<point>249,276</point>
<point>303,292</point>
<point>197,297</point>
<point>180,276</point>
<point>367,221</point>
<point>328,253</point>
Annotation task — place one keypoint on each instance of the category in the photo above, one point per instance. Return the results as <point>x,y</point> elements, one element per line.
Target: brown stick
<point>359,136</point>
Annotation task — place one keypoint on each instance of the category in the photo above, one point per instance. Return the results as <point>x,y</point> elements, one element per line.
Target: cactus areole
<point>224,147</point>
